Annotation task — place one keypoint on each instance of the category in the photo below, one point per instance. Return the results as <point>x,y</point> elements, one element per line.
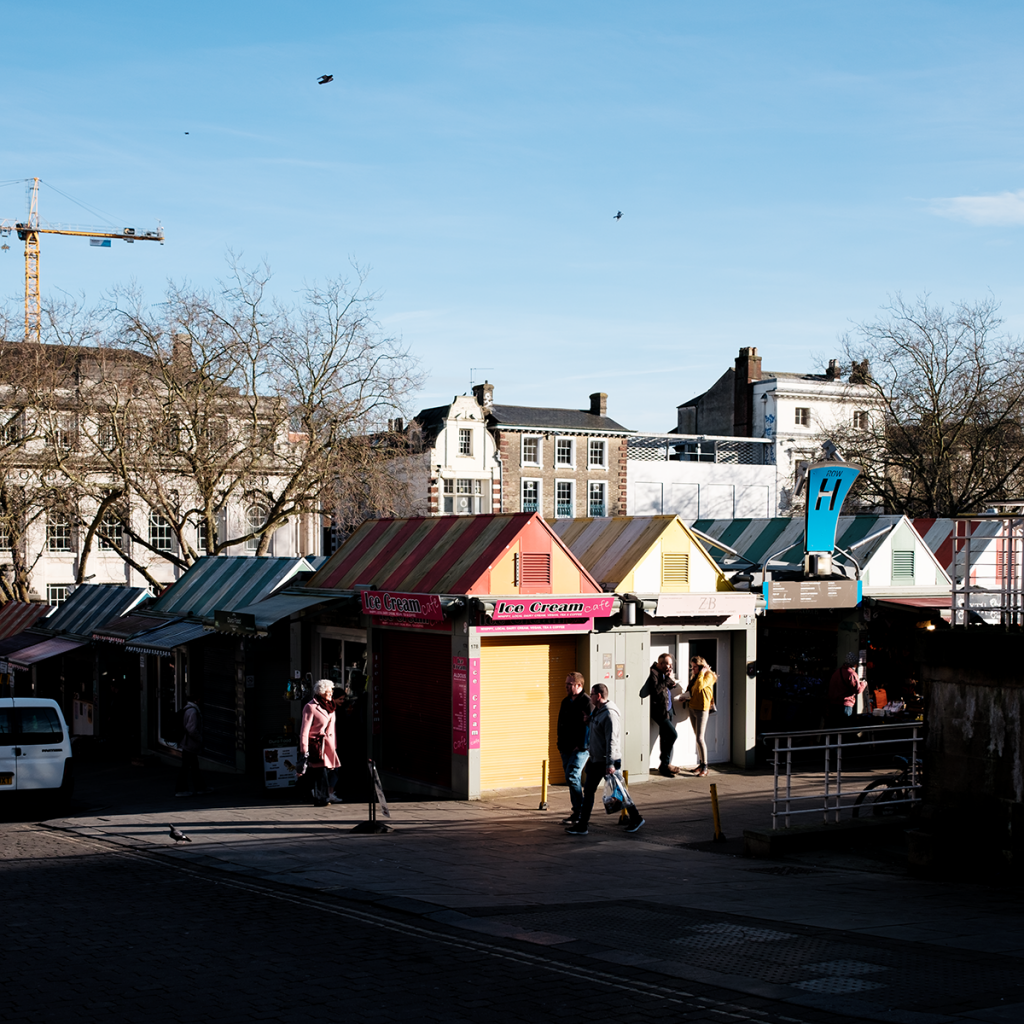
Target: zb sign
<point>828,483</point>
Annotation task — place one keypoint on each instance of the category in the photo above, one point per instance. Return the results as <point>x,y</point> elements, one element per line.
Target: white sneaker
<point>332,799</point>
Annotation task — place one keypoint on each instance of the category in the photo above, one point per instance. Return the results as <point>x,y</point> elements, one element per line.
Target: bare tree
<point>251,404</point>
<point>950,384</point>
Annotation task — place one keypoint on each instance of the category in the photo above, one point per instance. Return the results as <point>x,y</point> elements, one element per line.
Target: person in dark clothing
<point>659,688</point>
<point>843,689</point>
<point>190,778</point>
<point>605,747</point>
<point>573,715</point>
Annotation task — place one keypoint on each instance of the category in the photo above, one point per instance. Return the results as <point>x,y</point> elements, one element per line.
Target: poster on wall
<point>474,703</point>
<point>460,705</point>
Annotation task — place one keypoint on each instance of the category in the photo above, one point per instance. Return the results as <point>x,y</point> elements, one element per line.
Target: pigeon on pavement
<point>324,79</point>
<point>178,836</point>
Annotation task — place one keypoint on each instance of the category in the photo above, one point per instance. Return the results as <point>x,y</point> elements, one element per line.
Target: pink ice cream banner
<point>552,608</point>
<point>386,604</point>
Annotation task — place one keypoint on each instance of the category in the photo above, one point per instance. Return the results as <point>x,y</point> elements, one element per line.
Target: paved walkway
<point>827,930</point>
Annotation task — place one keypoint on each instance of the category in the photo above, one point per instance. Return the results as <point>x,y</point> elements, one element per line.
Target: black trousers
<point>596,771</point>
<point>668,735</point>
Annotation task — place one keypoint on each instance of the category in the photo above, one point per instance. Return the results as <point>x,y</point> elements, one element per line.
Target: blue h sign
<point>828,483</point>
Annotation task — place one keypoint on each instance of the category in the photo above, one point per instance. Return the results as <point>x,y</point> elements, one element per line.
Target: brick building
<point>563,463</point>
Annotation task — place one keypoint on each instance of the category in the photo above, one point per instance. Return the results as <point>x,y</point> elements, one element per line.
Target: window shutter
<point>675,569</point>
<point>535,575</point>
<point>903,565</point>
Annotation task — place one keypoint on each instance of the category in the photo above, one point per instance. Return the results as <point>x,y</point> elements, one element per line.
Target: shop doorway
<point>714,649</point>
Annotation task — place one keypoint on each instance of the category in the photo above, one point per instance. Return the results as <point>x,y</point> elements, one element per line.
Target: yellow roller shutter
<point>522,682</point>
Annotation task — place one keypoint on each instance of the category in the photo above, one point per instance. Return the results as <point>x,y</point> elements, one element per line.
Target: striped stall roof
<point>611,548</point>
<point>938,535</point>
<point>166,638</point>
<point>224,584</point>
<point>92,604</point>
<point>18,615</point>
<point>432,554</point>
<point>758,539</point>
<point>29,656</point>
<point>118,630</point>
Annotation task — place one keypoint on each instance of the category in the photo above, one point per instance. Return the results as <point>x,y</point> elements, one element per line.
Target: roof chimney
<point>484,394</point>
<point>834,371</point>
<point>598,404</point>
<point>748,370</point>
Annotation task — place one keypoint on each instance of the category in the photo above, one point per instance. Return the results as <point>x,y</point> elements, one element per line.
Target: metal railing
<point>597,510</point>
<point>529,506</point>
<point>563,509</point>
<point>753,451</point>
<point>829,795</point>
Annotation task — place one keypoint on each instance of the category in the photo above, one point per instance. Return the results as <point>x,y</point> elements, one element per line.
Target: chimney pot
<point>599,404</point>
<point>484,394</point>
<point>834,371</point>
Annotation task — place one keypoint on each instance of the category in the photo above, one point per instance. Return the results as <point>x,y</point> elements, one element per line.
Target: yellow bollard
<point>719,837</point>
<point>624,814</point>
<point>543,785</point>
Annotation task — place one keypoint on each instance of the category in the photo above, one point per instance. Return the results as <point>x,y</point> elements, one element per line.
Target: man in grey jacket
<point>605,750</point>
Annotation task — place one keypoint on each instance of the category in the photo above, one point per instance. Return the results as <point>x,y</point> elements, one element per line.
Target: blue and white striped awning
<point>166,638</point>
<point>90,605</point>
<point>226,584</point>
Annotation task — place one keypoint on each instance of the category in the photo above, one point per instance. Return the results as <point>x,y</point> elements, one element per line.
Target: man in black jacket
<point>659,688</point>
<point>573,715</point>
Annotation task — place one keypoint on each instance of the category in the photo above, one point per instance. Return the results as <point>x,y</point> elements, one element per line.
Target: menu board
<point>782,594</point>
<point>279,766</point>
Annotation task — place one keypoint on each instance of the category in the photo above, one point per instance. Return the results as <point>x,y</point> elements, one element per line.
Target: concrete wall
<point>974,768</point>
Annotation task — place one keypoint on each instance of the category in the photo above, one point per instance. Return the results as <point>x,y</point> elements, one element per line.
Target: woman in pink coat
<point>318,744</point>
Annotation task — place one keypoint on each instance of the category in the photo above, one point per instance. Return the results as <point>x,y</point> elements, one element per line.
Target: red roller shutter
<point>416,706</point>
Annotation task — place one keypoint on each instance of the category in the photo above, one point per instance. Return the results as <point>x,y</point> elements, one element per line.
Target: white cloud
<point>1004,208</point>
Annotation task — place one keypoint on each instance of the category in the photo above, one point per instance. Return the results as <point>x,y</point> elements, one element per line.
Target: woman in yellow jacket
<point>702,701</point>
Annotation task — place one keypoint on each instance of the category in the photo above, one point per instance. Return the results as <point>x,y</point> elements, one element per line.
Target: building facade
<point>562,463</point>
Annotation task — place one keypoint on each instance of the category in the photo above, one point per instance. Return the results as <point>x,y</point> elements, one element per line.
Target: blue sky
<point>781,169</point>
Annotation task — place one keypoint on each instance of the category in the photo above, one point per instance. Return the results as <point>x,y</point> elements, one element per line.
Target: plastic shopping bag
<point>616,796</point>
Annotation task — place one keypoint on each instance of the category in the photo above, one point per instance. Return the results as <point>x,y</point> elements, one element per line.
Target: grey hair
<point>323,686</point>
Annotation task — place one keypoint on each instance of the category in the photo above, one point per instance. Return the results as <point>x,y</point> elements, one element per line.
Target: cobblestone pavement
<point>97,933</point>
<point>490,902</point>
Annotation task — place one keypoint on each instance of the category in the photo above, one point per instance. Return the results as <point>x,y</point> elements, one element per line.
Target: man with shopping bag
<point>605,751</point>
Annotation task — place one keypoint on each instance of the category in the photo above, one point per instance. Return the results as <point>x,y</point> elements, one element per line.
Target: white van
<point>35,747</point>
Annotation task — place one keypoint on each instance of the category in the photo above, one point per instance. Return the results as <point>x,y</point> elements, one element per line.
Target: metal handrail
<point>829,802</point>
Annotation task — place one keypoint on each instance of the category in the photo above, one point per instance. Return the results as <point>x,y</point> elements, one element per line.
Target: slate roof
<point>557,419</point>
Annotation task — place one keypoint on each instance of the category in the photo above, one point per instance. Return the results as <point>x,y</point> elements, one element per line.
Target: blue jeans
<point>573,764</point>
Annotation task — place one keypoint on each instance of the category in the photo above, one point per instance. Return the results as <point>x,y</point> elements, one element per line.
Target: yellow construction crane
<point>29,231</point>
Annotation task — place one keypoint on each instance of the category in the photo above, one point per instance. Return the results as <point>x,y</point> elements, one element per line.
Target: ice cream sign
<point>553,608</point>
<point>402,606</point>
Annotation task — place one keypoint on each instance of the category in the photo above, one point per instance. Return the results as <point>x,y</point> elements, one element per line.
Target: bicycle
<point>893,794</point>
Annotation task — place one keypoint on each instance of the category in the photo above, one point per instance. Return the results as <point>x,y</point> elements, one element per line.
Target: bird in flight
<point>178,836</point>
<point>324,79</point>
<point>617,216</point>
